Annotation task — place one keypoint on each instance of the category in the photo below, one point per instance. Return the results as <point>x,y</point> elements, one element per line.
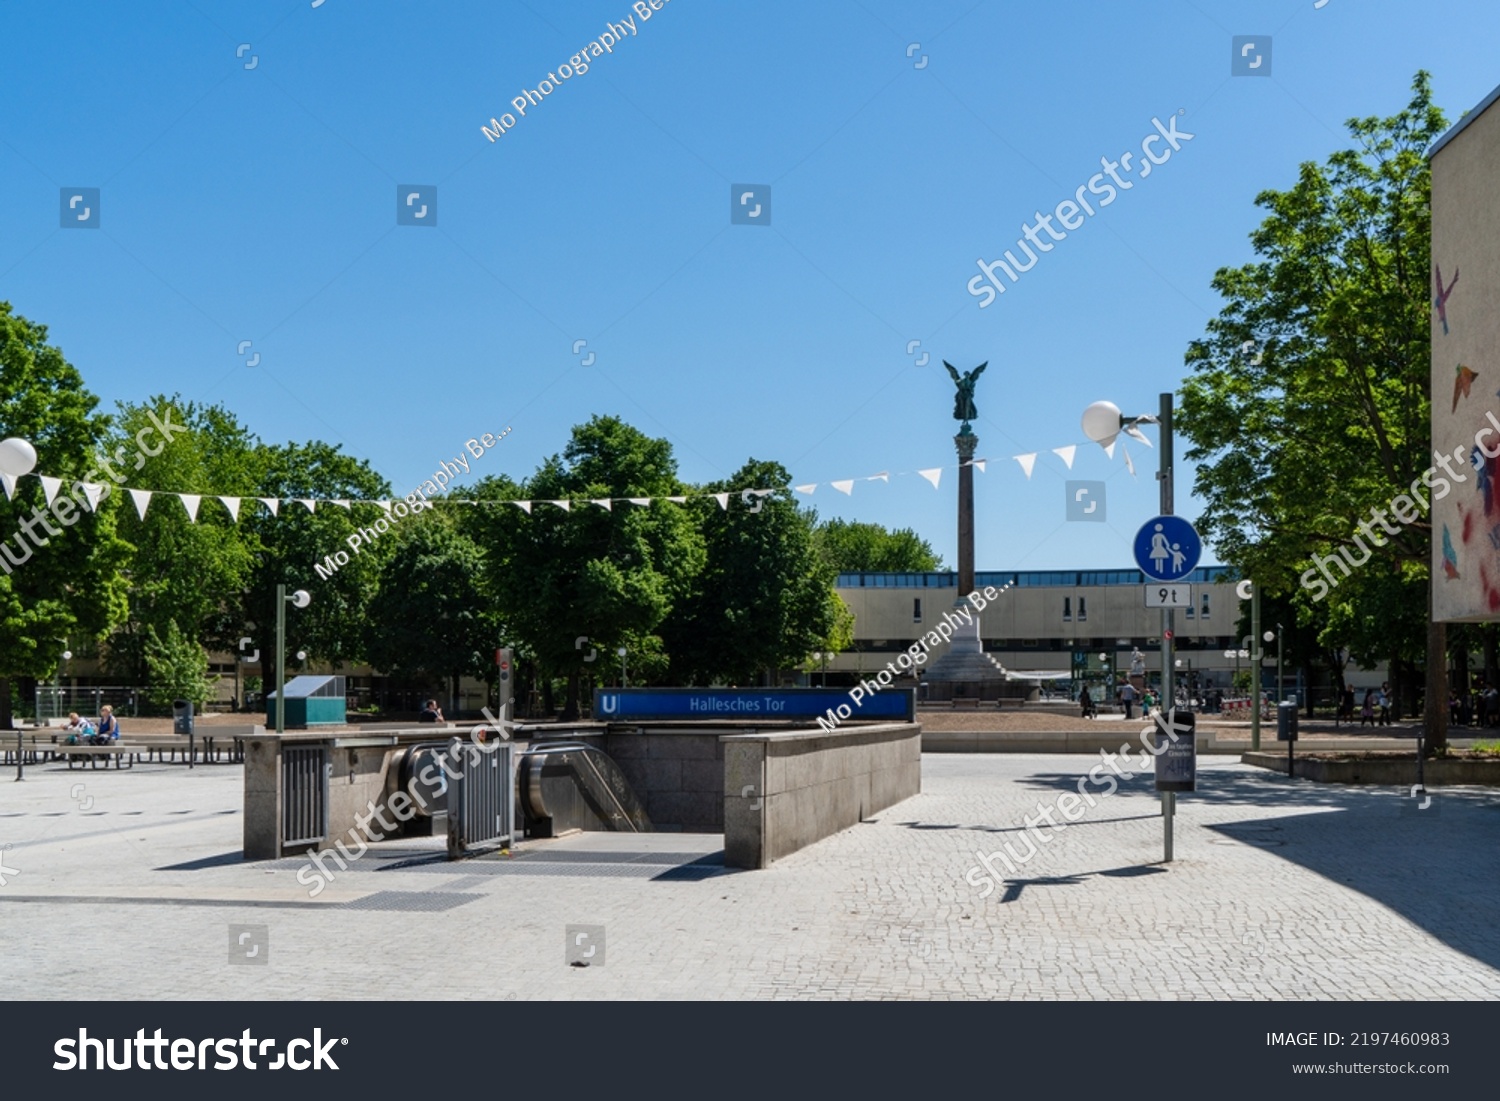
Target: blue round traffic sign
<point>1167,548</point>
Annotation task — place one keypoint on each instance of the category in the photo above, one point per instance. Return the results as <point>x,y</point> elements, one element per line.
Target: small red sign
<point>1167,635</point>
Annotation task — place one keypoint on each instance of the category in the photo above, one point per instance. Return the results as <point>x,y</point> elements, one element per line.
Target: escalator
<point>572,785</point>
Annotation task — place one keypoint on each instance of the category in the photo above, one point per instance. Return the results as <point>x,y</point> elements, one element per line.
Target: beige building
<point>1054,622</point>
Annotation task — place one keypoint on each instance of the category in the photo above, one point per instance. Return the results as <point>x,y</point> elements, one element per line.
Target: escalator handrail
<point>566,747</point>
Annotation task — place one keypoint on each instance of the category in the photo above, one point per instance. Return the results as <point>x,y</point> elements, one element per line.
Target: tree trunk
<point>5,713</point>
<point>570,705</point>
<point>1491,657</point>
<point>1436,719</point>
<point>1307,686</point>
<point>549,705</point>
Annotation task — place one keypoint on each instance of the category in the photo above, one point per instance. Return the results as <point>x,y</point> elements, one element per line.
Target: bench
<point>956,700</point>
<point>119,751</point>
<point>35,748</point>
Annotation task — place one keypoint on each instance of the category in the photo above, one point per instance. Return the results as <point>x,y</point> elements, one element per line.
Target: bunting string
<point>93,492</point>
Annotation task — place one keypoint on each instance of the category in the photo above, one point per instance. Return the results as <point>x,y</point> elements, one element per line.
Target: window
<point>1067,609</point>
<point>1190,607</point>
<point>1083,611</point>
<point>1205,606</point>
<point>916,609</point>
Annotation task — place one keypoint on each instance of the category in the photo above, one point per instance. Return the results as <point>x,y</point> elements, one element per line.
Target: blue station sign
<point>774,704</point>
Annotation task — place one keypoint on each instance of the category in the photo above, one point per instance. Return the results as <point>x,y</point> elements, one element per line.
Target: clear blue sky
<point>259,204</point>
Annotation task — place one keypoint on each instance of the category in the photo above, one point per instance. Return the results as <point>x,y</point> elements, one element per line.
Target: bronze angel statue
<point>963,401</point>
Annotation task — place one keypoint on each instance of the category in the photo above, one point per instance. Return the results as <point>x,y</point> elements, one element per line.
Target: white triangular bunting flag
<point>1109,448</point>
<point>564,505</point>
<point>845,487</point>
<point>524,506</point>
<point>883,476</point>
<point>645,502</point>
<point>1028,462</point>
<point>1135,433</point>
<point>722,498</point>
<point>679,500</point>
<point>190,502</point>
<point>1066,454</point>
<point>1130,466</point>
<point>934,475</point>
<point>233,505</point>
<point>806,488</point>
<point>604,503</point>
<point>980,464</point>
<point>306,502</point>
<point>342,504</point>
<point>142,498</point>
<point>271,503</point>
<point>51,486</point>
<point>9,482</point>
<point>94,491</point>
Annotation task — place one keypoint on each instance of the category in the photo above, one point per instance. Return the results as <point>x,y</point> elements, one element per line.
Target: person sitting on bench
<point>109,727</point>
<point>80,731</point>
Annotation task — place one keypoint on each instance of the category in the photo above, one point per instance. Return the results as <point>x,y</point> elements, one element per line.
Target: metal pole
<point>280,659</point>
<point>21,765</point>
<point>1168,798</point>
<point>1280,653</point>
<point>1255,656</point>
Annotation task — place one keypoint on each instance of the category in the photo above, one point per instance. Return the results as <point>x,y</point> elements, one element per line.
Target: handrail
<point>584,749</point>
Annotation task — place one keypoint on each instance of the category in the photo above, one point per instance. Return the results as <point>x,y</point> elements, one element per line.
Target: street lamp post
<point>299,599</point>
<point>1102,422</point>
<point>67,656</point>
<point>17,459</point>
<point>624,683</point>
<point>1275,636</point>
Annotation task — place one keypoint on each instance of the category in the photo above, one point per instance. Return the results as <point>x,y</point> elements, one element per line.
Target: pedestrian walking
<point>1384,699</point>
<point>1367,710</point>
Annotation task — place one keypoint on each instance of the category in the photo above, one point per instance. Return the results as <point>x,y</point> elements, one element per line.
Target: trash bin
<point>182,716</point>
<point>1286,721</point>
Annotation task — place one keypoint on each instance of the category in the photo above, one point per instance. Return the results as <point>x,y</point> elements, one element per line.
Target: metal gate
<point>304,794</point>
<point>481,800</point>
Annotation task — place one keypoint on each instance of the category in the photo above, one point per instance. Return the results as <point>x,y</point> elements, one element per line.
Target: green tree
<point>429,617</point>
<point>291,545</point>
<point>64,581</point>
<point>761,601</point>
<point>185,570</point>
<point>1308,403</point>
<point>852,547</point>
<point>178,667</point>
<point>609,576</point>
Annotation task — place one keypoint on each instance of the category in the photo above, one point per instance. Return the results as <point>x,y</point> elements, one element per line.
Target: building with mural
<point>1466,366</point>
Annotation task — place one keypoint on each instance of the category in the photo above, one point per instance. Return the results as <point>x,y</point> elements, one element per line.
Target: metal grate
<point>304,794</point>
<point>481,802</point>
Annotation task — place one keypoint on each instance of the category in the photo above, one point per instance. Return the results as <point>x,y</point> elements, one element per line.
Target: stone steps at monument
<point>965,666</point>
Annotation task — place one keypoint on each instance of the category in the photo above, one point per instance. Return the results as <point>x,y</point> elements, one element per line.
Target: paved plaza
<point>126,885</point>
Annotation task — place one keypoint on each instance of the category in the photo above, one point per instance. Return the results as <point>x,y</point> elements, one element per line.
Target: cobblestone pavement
<point>126,885</point>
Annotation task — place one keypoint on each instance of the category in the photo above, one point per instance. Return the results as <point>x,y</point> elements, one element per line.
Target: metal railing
<point>481,799</point>
<point>305,773</point>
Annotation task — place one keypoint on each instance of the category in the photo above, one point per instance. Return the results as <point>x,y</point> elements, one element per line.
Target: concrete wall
<point>677,774</point>
<point>784,791</point>
<point>358,778</point>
